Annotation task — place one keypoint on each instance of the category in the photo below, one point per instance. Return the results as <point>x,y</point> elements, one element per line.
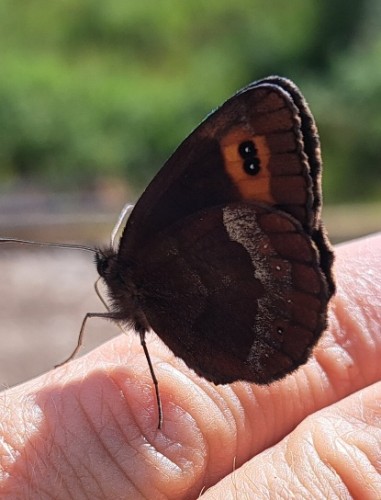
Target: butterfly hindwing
<point>212,284</point>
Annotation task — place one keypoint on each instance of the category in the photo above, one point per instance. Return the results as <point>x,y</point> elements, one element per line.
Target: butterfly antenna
<point>126,210</point>
<point>48,244</point>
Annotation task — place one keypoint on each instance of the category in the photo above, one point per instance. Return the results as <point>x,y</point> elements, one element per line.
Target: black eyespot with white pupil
<point>247,149</point>
<point>248,153</point>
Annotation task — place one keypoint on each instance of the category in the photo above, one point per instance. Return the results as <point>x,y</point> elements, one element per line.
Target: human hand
<point>89,429</point>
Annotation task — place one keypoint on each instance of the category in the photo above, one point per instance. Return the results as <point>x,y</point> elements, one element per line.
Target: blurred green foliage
<point>95,89</point>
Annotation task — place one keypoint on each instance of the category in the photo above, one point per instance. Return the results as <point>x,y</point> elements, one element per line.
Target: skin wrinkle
<point>58,469</point>
<point>236,481</point>
<point>91,474</point>
<point>269,407</point>
<point>326,478</point>
<point>208,445</point>
<point>75,436</point>
<point>119,427</point>
<point>325,388</point>
<point>30,485</point>
<point>238,415</point>
<point>258,402</point>
<point>271,411</point>
<point>105,448</point>
<point>137,425</point>
<point>324,471</point>
<point>238,444</point>
<point>183,467</point>
<point>180,466</point>
<point>328,366</point>
<point>286,485</point>
<point>133,484</point>
<point>371,413</point>
<point>352,435</point>
<point>367,292</point>
<point>351,320</point>
<point>362,408</point>
<point>222,403</point>
<point>344,322</point>
<point>34,462</point>
<point>208,455</point>
<point>317,387</point>
<point>273,407</point>
<point>174,372</point>
<point>150,449</point>
<point>337,467</point>
<point>27,424</point>
<point>61,449</point>
<point>244,393</point>
<point>267,480</point>
<point>207,451</point>
<point>339,321</point>
<point>297,399</point>
<point>368,296</point>
<point>108,407</point>
<point>149,453</point>
<point>306,462</point>
<point>332,454</point>
<point>176,467</point>
<point>30,478</point>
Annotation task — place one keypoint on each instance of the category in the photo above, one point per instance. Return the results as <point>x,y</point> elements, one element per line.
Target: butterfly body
<point>225,256</point>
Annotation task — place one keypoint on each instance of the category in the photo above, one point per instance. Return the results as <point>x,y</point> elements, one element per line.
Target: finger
<point>350,349</point>
<point>333,454</point>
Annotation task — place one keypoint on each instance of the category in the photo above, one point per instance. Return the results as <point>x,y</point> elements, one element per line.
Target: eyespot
<point>251,166</point>
<point>247,149</point>
<point>248,153</point>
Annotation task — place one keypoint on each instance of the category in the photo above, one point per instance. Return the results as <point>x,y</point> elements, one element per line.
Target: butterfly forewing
<point>207,169</point>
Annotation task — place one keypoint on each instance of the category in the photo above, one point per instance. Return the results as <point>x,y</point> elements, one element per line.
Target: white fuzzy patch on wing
<point>242,227</point>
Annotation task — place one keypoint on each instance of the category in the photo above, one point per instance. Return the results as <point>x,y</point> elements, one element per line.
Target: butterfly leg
<point>81,334</point>
<point>154,379</point>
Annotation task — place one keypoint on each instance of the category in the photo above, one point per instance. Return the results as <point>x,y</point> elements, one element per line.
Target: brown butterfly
<point>225,255</point>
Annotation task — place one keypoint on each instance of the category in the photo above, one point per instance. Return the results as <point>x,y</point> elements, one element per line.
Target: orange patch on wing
<point>251,187</point>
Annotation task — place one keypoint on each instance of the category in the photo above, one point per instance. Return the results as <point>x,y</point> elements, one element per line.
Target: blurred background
<point>95,96</point>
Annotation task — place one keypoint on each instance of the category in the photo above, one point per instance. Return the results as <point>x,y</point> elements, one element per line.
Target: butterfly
<point>225,255</point>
